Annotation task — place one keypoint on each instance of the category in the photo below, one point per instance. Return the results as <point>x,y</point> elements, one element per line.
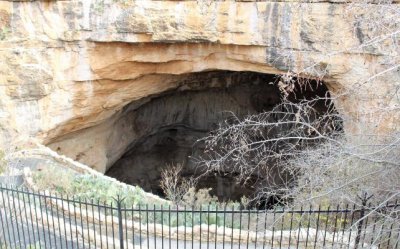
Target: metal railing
<point>37,220</point>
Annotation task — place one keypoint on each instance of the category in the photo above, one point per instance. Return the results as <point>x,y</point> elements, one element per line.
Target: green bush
<point>104,191</point>
<point>4,33</point>
<point>53,178</point>
<point>86,187</point>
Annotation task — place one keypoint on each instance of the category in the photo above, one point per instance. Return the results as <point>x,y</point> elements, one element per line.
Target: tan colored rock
<point>69,67</point>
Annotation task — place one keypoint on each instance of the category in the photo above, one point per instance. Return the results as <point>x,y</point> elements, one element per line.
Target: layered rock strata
<point>69,68</point>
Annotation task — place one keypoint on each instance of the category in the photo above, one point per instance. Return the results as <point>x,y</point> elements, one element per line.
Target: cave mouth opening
<point>167,126</point>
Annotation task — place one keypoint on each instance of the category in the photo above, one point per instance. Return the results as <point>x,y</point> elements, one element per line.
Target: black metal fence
<point>37,220</point>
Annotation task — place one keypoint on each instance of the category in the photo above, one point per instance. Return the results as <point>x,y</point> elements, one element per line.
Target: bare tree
<point>175,186</point>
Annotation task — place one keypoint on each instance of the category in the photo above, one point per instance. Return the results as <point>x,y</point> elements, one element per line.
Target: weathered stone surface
<point>69,67</point>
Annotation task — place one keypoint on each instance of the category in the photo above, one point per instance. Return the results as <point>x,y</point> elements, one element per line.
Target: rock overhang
<point>81,70</point>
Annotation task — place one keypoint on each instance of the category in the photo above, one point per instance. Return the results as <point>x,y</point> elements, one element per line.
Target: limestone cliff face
<point>68,68</point>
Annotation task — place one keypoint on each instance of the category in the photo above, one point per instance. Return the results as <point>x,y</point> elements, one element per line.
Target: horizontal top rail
<point>229,209</point>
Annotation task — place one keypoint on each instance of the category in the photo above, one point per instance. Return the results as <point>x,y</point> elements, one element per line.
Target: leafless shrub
<point>174,185</point>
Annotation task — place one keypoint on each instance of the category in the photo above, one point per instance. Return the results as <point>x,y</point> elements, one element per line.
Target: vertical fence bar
<point>59,222</point>
<point>69,219</point>
<point>125,228</point>
<point>94,223</point>
<point>193,214</point>
<point>240,226</point>
<point>308,225</point>
<point>20,211</point>
<point>11,218</point>
<point>290,227</point>
<point>208,226</point>
<point>133,226</point>
<point>41,233</point>
<point>105,222</point>
<point>223,232</point>
<point>120,228</point>
<point>299,230</point>
<point>398,229</point>
<point>100,221</point>
<point>3,225</point>
<point>87,223</point>
<point>265,228</point>
<point>75,222</point>
<point>200,212</point>
<point>41,217</point>
<point>255,242</point>
<point>52,219</point>
<point>140,227</point>
<point>380,231</point>
<point>81,220</point>
<point>317,229</point>
<point>162,226</point>
<point>147,225</point>
<point>232,226</point>
<point>326,226</point>
<point>154,223</point>
<point>16,218</point>
<point>185,224</point>
<point>216,228</point>
<point>366,225</point>
<point>398,237</point>
<point>169,226</point>
<point>351,224</point>
<point>335,226</point>
<point>47,218</point>
<point>177,226</point>
<point>112,225</point>
<point>82,224</point>
<point>3,235</point>
<point>248,228</point>
<point>390,230</point>
<point>344,224</point>
<point>273,228</point>
<point>283,221</point>
<point>359,225</point>
<point>31,215</point>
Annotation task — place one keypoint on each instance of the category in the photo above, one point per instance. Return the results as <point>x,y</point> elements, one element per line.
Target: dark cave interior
<point>170,124</point>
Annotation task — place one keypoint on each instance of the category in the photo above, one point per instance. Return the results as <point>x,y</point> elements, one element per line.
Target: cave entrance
<point>167,127</point>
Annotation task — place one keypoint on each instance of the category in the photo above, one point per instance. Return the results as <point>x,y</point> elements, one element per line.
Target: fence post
<point>364,202</point>
<point>120,227</point>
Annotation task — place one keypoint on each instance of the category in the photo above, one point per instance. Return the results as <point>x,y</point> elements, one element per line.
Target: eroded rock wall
<point>69,67</point>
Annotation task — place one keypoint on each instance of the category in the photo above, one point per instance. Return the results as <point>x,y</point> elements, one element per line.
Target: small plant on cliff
<point>3,163</point>
<point>4,33</point>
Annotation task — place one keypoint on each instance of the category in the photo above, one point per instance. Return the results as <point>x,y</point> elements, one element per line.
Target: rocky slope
<point>68,68</point>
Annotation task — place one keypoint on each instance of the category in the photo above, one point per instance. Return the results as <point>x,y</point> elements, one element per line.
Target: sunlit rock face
<point>71,69</point>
